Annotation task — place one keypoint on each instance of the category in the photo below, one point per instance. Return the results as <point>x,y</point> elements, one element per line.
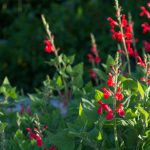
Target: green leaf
<point>140,89</point>
<point>99,137</point>
<point>100,73</point>
<point>2,126</point>
<point>144,113</point>
<point>98,95</point>
<point>80,109</point>
<point>110,61</point>
<point>62,140</point>
<point>59,81</point>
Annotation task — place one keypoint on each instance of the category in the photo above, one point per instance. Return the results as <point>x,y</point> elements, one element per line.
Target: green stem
<point>114,102</point>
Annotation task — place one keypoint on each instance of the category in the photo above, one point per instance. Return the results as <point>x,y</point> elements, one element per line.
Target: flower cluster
<point>93,57</point>
<point>124,33</point>
<point>145,12</point>
<point>116,95</point>
<point>145,26</point>
<point>145,65</point>
<point>36,135</point>
<point>49,47</point>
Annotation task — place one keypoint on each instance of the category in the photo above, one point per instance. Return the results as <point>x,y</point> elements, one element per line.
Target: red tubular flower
<point>107,93</point>
<point>100,110</point>
<point>90,57</point>
<point>45,126</point>
<point>53,148</point>
<point>39,140</point>
<point>146,27</point>
<point>97,60</point>
<point>92,73</point>
<point>140,62</point>
<point>32,135</point>
<point>112,22</point>
<point>35,136</point>
<point>148,81</point>
<point>109,115</point>
<point>110,81</point>
<point>120,110</point>
<point>130,50</point>
<point>106,107</point>
<point>103,106</point>
<point>146,46</point>
<point>49,47</point>
<point>118,95</point>
<point>94,48</point>
<point>124,21</point>
<point>144,12</point>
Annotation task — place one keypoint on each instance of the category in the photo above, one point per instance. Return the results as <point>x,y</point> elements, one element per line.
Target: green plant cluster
<point>72,21</point>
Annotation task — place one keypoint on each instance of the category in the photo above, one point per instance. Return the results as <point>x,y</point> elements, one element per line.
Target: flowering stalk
<point>51,48</point>
<point>113,91</point>
<point>116,70</point>
<point>118,9</point>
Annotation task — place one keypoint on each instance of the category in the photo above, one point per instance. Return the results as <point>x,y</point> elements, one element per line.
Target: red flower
<point>118,95</point>
<point>146,27</point>
<point>100,110</point>
<point>146,46</point>
<point>97,60</point>
<point>91,58</point>
<point>124,21</point>
<point>120,110</point>
<point>32,135</point>
<point>39,140</point>
<point>110,81</point>
<point>107,93</point>
<point>92,73</point>
<point>104,106</point>
<point>94,48</point>
<point>112,22</point>
<point>49,47</point>
<point>117,36</point>
<point>130,50</point>
<point>35,136</point>
<point>144,12</point>
<point>109,115</point>
<point>45,126</point>
<point>148,81</point>
<point>140,62</point>
<point>53,148</point>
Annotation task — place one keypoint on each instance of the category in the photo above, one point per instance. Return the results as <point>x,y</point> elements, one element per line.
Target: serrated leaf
<point>140,89</point>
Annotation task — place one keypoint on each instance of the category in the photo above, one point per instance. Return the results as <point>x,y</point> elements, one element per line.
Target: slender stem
<point>58,66</point>
<point>114,102</point>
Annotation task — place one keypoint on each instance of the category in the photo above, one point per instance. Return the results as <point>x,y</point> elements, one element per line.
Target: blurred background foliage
<point>22,53</point>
